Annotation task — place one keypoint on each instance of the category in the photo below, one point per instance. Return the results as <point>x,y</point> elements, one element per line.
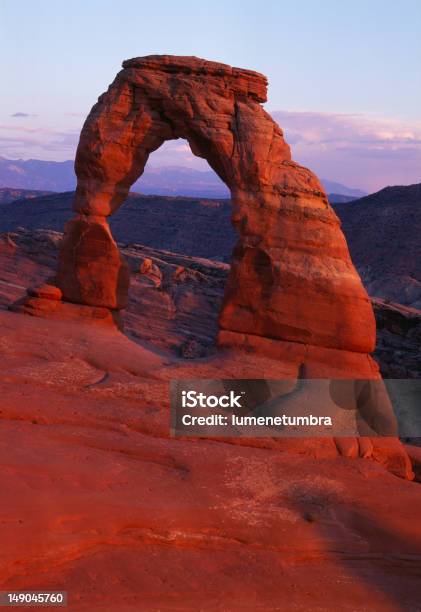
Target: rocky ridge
<point>383,231</point>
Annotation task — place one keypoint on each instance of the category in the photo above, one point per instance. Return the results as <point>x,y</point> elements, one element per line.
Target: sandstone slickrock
<point>180,318</point>
<point>99,500</point>
<point>291,276</point>
<point>56,309</point>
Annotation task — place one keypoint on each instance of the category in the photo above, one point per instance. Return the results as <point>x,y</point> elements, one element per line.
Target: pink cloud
<point>357,150</point>
<point>37,142</point>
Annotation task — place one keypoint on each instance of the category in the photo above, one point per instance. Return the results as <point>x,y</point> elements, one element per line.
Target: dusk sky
<point>344,78</point>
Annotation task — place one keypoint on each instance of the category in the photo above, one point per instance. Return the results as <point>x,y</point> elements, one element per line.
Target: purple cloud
<point>358,150</point>
<point>37,142</point>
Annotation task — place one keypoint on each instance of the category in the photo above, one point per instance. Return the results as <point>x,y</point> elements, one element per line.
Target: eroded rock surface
<point>91,269</point>
<point>291,275</point>
<point>98,500</point>
<point>184,307</point>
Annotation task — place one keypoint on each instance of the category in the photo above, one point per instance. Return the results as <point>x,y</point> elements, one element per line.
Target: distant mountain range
<point>338,189</point>
<point>181,181</point>
<point>167,180</point>
<point>340,198</point>
<point>383,231</point>
<point>8,195</point>
<point>191,226</point>
<point>37,174</point>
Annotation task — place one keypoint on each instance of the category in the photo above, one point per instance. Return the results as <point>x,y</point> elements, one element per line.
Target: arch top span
<point>216,108</point>
<point>240,80</point>
<point>291,276</point>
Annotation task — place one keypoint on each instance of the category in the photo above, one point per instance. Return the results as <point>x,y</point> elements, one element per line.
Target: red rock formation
<point>292,277</point>
<point>99,501</point>
<point>91,269</point>
<point>45,292</point>
<point>180,320</point>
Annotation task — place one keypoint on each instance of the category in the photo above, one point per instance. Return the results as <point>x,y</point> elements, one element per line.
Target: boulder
<point>46,291</point>
<point>150,270</point>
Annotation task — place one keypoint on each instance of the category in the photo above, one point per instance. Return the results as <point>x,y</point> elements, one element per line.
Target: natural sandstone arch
<point>292,277</point>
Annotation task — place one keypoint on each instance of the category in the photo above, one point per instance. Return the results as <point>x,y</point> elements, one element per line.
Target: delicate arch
<point>291,277</point>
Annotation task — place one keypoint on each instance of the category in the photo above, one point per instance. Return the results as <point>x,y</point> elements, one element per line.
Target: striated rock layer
<point>291,276</point>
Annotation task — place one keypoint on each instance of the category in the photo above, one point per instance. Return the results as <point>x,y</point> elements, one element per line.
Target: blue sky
<point>344,77</point>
